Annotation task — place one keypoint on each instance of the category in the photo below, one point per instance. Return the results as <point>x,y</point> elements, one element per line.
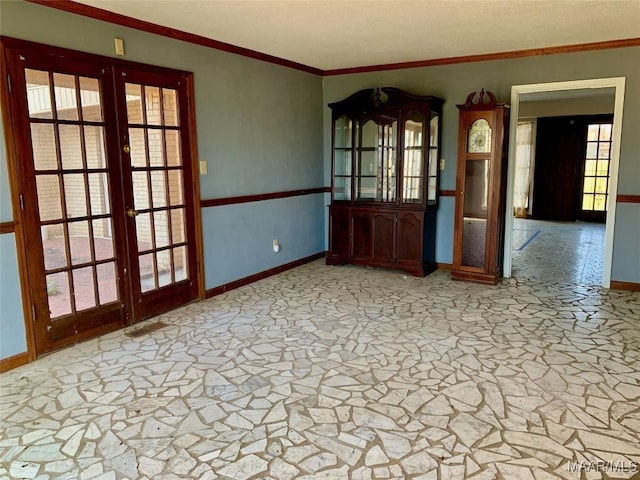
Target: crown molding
<point>532,52</point>
<point>130,22</point>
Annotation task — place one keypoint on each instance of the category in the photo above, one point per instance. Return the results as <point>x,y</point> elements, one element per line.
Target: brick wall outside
<point>166,187</point>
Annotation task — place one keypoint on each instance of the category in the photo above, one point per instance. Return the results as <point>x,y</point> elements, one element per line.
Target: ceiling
<point>579,93</point>
<point>334,34</point>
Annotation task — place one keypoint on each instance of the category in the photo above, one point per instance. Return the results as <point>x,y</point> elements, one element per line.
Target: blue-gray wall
<point>13,338</point>
<point>454,82</point>
<point>285,219</point>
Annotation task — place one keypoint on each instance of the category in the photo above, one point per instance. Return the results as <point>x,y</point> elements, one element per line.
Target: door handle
<point>126,149</point>
<point>132,213</point>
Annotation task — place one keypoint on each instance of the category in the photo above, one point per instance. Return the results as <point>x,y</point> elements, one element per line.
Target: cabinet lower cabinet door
<point>384,233</point>
<point>409,237</point>
<point>393,238</point>
<point>362,228</point>
<point>339,234</point>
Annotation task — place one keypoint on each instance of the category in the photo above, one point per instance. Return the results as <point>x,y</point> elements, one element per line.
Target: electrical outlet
<point>442,164</point>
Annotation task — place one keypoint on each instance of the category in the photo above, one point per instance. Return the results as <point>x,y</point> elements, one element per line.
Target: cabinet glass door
<point>342,144</point>
<point>376,162</point>
<point>434,149</point>
<point>476,196</point>
<point>412,175</point>
<point>387,171</point>
<point>366,175</point>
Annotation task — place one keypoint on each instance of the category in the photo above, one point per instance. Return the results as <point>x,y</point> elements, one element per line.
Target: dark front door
<point>559,149</point>
<point>103,168</point>
<point>571,176</point>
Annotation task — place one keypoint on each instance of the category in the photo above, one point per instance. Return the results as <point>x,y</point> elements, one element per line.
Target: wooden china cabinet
<point>478,243</point>
<point>385,146</point>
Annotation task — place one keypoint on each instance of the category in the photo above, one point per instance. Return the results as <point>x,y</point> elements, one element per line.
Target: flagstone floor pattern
<point>342,373</point>
<point>570,252</point>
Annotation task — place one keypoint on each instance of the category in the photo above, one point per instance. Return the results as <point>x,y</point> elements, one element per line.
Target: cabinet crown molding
<point>371,99</point>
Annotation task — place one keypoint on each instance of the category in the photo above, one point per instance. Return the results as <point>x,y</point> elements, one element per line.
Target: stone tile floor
<point>558,251</point>
<point>343,373</point>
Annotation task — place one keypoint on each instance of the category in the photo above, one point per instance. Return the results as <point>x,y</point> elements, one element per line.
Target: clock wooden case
<point>478,245</point>
<point>385,151</point>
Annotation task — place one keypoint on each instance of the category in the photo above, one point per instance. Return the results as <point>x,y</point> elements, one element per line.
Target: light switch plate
<point>442,164</point>
<point>203,167</point>
<point>118,44</point>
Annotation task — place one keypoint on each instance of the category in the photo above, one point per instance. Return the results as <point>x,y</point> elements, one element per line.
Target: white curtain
<point>524,168</point>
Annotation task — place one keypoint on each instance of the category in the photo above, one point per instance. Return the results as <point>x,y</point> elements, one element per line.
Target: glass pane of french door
<point>158,179</point>
<point>73,193</point>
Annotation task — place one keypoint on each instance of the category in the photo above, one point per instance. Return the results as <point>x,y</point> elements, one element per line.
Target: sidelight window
<point>596,167</point>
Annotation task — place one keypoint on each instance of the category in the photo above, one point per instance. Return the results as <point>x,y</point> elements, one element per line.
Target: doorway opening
<point>561,249</point>
<point>554,251</point>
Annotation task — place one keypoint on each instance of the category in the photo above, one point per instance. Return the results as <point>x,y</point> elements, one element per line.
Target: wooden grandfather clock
<point>478,243</point>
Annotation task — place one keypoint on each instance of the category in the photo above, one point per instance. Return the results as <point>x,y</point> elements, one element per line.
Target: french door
<point>153,125</point>
<point>106,194</point>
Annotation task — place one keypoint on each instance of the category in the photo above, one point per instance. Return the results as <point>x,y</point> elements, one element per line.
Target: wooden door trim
<point>195,179</point>
<point>14,188</point>
<point>80,56</point>
<point>517,91</point>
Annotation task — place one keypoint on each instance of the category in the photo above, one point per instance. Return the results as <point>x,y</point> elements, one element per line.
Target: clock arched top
<point>479,137</point>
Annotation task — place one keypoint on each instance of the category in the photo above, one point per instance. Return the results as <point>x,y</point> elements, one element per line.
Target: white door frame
<point>618,83</point>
